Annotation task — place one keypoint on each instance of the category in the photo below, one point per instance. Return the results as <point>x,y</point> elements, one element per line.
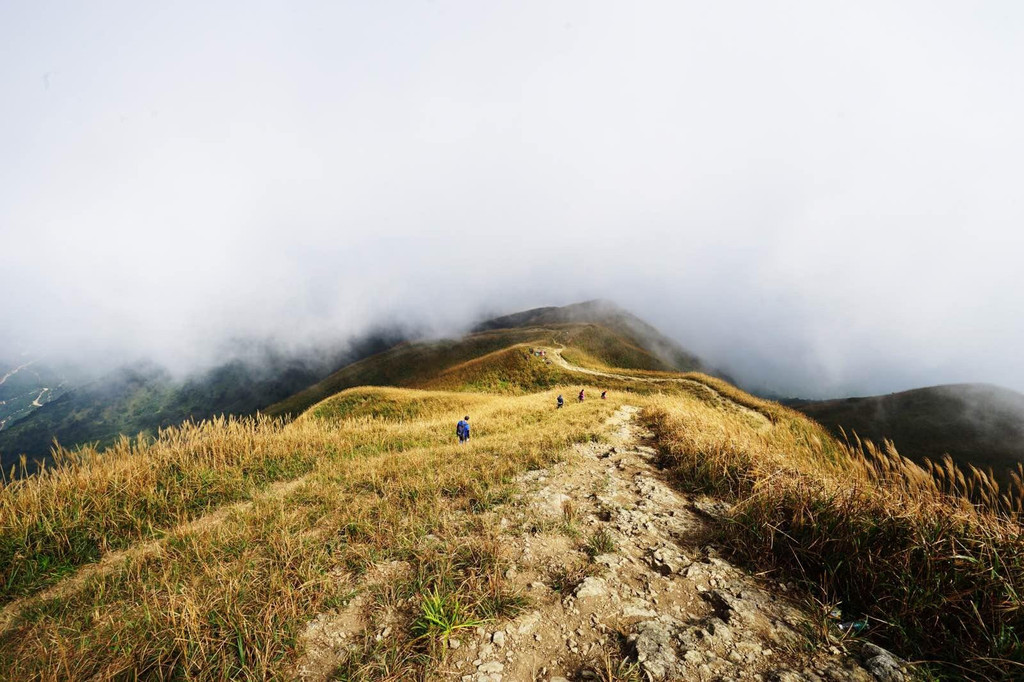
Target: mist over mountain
<point>815,217</point>
<point>608,314</point>
<point>975,424</point>
<point>141,397</point>
<point>511,340</point>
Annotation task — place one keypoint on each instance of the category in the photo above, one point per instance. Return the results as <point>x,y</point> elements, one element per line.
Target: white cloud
<point>823,199</point>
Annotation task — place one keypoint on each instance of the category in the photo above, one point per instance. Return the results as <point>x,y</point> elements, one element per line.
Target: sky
<point>821,198</point>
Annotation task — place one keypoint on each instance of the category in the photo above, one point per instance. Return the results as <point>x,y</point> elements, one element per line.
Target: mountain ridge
<point>607,313</point>
<point>675,527</point>
<point>977,424</point>
<point>596,329</point>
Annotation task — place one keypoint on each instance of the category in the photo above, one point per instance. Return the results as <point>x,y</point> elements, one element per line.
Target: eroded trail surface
<point>623,585</point>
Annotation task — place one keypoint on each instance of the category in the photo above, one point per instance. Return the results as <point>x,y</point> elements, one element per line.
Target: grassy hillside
<point>368,481</point>
<point>206,552</point>
<point>143,398</point>
<point>929,559</point>
<point>658,351</point>
<point>219,541</point>
<point>442,363</point>
<point>27,383</point>
<point>976,424</point>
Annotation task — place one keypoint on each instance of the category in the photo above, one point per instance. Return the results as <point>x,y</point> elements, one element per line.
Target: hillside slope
<point>678,529</point>
<point>977,424</point>
<point>594,331</point>
<point>145,397</point>
<point>27,383</point>
<point>669,354</point>
<point>346,545</point>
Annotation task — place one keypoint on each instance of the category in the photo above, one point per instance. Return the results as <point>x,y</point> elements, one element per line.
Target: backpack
<point>460,428</point>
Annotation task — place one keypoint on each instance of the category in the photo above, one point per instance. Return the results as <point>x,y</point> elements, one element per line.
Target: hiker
<point>561,401</point>
<point>581,395</point>
<point>462,430</point>
<point>604,395</point>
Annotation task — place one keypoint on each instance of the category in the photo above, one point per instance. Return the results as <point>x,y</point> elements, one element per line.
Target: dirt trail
<point>556,354</point>
<point>14,371</point>
<point>658,593</point>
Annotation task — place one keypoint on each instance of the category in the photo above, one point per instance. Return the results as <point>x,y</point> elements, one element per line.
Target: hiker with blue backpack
<point>462,430</point>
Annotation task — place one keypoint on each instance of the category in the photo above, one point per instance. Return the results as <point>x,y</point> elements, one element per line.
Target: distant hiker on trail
<point>604,395</point>
<point>581,395</point>
<point>561,401</point>
<point>462,430</point>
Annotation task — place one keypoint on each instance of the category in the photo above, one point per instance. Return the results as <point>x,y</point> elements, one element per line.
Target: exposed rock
<point>491,667</point>
<point>498,638</point>
<point>667,561</point>
<point>652,643</point>
<point>591,587</point>
<point>882,664</point>
<point>717,629</point>
<point>529,622</point>
<point>638,609</point>
<point>555,502</point>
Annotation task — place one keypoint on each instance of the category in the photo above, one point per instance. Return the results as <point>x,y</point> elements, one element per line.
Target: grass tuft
<point>600,542</point>
<point>565,579</point>
<point>441,614</point>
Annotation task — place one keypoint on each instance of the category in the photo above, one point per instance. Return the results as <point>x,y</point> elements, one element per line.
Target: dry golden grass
<point>228,599</point>
<point>932,557</point>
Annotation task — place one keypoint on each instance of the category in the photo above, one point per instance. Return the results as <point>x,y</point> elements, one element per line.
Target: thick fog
<point>820,198</point>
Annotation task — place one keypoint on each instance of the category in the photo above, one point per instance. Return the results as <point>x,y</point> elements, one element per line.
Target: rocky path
<point>657,603</point>
<point>556,354</point>
<point>622,584</point>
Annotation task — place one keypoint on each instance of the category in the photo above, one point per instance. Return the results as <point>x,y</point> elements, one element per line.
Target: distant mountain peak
<point>605,313</point>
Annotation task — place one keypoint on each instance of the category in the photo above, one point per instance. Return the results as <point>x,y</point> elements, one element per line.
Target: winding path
<point>556,355</point>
